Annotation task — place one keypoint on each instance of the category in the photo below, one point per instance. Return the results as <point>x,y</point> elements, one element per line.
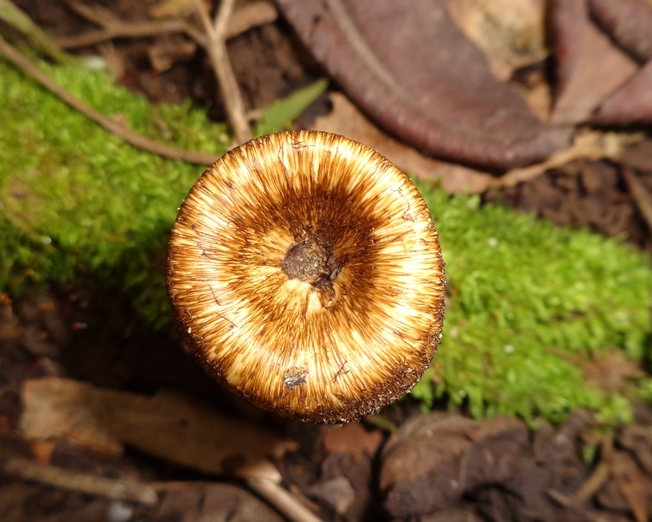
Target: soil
<point>458,469</point>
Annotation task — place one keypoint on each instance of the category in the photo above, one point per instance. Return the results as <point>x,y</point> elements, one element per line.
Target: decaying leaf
<point>60,409</point>
<point>166,425</point>
<point>589,66</point>
<point>436,458</point>
<point>632,484</point>
<point>408,67</point>
<point>629,22</point>
<point>632,103</point>
<point>510,32</point>
<point>352,439</point>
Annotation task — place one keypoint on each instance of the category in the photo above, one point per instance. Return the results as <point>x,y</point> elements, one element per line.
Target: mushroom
<point>306,273</point>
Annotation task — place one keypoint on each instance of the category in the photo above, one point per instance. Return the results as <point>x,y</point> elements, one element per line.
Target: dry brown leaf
<point>412,71</point>
<point>629,23</point>
<point>632,484</point>
<point>432,460</point>
<point>59,409</point>
<point>346,119</point>
<point>590,67</point>
<point>632,103</point>
<point>352,438</point>
<point>510,32</point>
<point>166,425</point>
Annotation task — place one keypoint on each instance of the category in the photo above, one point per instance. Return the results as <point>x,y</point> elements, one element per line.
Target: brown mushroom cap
<point>307,274</point>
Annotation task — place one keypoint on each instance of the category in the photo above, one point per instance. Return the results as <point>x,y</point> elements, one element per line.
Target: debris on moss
<point>529,303</point>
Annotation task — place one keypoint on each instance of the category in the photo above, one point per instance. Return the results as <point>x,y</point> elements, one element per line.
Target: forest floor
<point>442,466</point>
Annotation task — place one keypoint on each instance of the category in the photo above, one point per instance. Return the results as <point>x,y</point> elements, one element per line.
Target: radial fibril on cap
<point>306,271</point>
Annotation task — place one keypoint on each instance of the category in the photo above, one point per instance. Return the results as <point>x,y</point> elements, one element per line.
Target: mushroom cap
<point>307,276</point>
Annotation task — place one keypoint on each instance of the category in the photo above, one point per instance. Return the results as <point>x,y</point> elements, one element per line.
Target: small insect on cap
<point>307,275</point>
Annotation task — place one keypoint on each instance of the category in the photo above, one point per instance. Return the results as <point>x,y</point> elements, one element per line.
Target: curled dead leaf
<point>413,72</point>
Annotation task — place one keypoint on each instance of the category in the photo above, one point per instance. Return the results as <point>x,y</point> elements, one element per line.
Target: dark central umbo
<point>309,260</point>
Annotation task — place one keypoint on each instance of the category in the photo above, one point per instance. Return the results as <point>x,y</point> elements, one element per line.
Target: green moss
<point>102,205</point>
<point>529,302</point>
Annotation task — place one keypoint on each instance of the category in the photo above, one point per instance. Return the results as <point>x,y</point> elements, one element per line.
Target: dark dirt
<point>459,469</point>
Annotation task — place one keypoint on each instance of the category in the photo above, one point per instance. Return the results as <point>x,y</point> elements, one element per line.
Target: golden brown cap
<point>307,274</point>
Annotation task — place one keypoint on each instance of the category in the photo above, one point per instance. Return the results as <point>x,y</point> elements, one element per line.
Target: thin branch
<point>130,30</point>
<point>589,145</point>
<point>228,86</point>
<point>213,40</point>
<point>248,16</point>
<point>113,27</point>
<point>222,17</point>
<point>282,500</point>
<point>135,139</point>
<point>13,16</point>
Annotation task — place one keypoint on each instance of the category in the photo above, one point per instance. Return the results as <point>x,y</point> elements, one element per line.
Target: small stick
<point>250,15</point>
<point>86,483</point>
<point>219,58</point>
<point>135,139</point>
<point>590,145</point>
<point>282,500</point>
<point>113,27</point>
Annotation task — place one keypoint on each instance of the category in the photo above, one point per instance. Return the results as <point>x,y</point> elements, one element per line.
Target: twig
<point>640,195</point>
<point>135,139</point>
<point>87,483</point>
<point>228,86</point>
<point>282,500</point>
<point>590,145</point>
<point>130,30</point>
<point>13,16</point>
<point>252,14</point>
<point>592,485</point>
<point>597,479</point>
<point>113,27</point>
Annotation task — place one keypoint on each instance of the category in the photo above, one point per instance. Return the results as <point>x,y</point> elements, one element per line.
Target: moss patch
<point>530,304</point>
<point>92,203</point>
